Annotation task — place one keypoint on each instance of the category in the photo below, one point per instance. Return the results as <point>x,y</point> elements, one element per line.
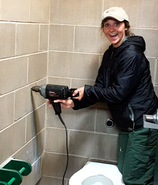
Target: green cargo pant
<point>136,160</point>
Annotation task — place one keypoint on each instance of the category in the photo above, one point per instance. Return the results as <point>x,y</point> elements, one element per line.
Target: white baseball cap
<point>117,13</point>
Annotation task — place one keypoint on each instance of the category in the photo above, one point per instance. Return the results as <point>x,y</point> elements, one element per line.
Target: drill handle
<point>57,107</point>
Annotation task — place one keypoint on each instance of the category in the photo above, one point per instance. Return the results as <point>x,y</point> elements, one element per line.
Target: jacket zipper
<point>112,53</point>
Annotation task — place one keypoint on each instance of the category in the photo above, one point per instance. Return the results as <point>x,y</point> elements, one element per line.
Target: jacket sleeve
<point>128,76</point>
<point>84,103</point>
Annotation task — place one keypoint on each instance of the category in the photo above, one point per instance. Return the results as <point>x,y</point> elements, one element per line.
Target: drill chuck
<point>41,89</point>
<point>36,88</point>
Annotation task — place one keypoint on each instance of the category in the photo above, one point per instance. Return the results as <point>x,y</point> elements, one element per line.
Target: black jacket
<point>124,83</point>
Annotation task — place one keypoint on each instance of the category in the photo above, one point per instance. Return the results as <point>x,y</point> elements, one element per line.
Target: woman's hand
<point>80,92</point>
<point>68,103</point>
<point>65,104</point>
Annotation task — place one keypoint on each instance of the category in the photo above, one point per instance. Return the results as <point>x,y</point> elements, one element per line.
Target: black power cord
<point>67,150</point>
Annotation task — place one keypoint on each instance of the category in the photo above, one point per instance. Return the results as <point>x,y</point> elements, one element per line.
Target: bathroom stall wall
<point>76,46</point>
<point>23,63</point>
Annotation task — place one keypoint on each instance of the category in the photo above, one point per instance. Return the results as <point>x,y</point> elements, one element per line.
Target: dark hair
<point>127,26</point>
<point>128,31</point>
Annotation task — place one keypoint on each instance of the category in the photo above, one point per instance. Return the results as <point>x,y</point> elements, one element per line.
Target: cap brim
<point>114,17</point>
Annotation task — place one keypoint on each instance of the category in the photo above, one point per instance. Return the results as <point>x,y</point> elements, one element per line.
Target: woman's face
<point>114,31</point>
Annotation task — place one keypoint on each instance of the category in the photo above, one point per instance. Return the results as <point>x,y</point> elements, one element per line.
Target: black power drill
<point>54,92</point>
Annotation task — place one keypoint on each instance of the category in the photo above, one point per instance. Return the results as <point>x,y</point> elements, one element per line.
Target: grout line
<point>68,78</point>
<point>76,52</point>
<point>26,129</point>
<point>27,85</point>
<point>83,131</point>
<point>29,10</point>
<point>98,26</point>
<point>27,81</point>
<point>16,27</point>
<point>23,55</point>
<point>13,108</point>
<point>74,34</point>
<point>155,71</point>
<point>21,118</point>
<point>39,41</point>
<point>27,144</point>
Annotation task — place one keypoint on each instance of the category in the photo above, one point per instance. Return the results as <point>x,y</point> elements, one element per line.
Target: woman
<point>124,83</point>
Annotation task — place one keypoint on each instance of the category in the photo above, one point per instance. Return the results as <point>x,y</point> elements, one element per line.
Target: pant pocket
<point>122,145</point>
<point>138,169</point>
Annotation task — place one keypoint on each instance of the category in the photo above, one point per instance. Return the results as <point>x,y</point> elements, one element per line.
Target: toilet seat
<point>94,168</point>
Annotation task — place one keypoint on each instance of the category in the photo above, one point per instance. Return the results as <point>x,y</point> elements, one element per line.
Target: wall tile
<point>43,37</point>
<point>48,180</point>
<point>59,81</point>
<point>27,38</point>
<point>61,37</point>
<point>79,120</point>
<point>156,90</point>
<point>39,11</point>
<point>23,102</point>
<point>72,12</point>
<point>84,66</point>
<point>73,65</point>
<point>82,143</point>
<point>12,139</point>
<point>151,40</point>
<point>149,14</point>
<point>156,75</point>
<point>59,64</point>
<point>75,164</point>
<point>54,165</point>
<point>7,38</point>
<point>152,68</point>
<point>15,10</point>
<point>32,150</point>
<point>106,147</point>
<point>35,123</point>
<point>81,82</point>
<point>6,113</point>
<point>13,73</point>
<point>101,124</point>
<point>36,98</point>
<point>90,39</point>
<point>93,145</point>
<point>37,67</point>
<point>84,119</point>
<point>57,135</point>
<point>53,120</point>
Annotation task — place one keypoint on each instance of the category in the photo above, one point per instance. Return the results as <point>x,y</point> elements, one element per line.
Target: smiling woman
<point>114,31</point>
<point>124,84</point>
<point>113,26</point>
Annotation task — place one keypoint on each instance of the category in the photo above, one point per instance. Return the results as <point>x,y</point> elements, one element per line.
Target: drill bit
<point>36,89</point>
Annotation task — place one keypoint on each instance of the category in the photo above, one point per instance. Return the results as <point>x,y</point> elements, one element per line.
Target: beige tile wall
<point>23,63</point>
<point>59,42</point>
<point>76,45</point>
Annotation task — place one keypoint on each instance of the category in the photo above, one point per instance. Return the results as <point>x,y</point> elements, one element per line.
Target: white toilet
<point>94,173</point>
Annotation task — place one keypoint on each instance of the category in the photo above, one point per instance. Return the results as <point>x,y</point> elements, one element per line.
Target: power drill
<point>54,92</point>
